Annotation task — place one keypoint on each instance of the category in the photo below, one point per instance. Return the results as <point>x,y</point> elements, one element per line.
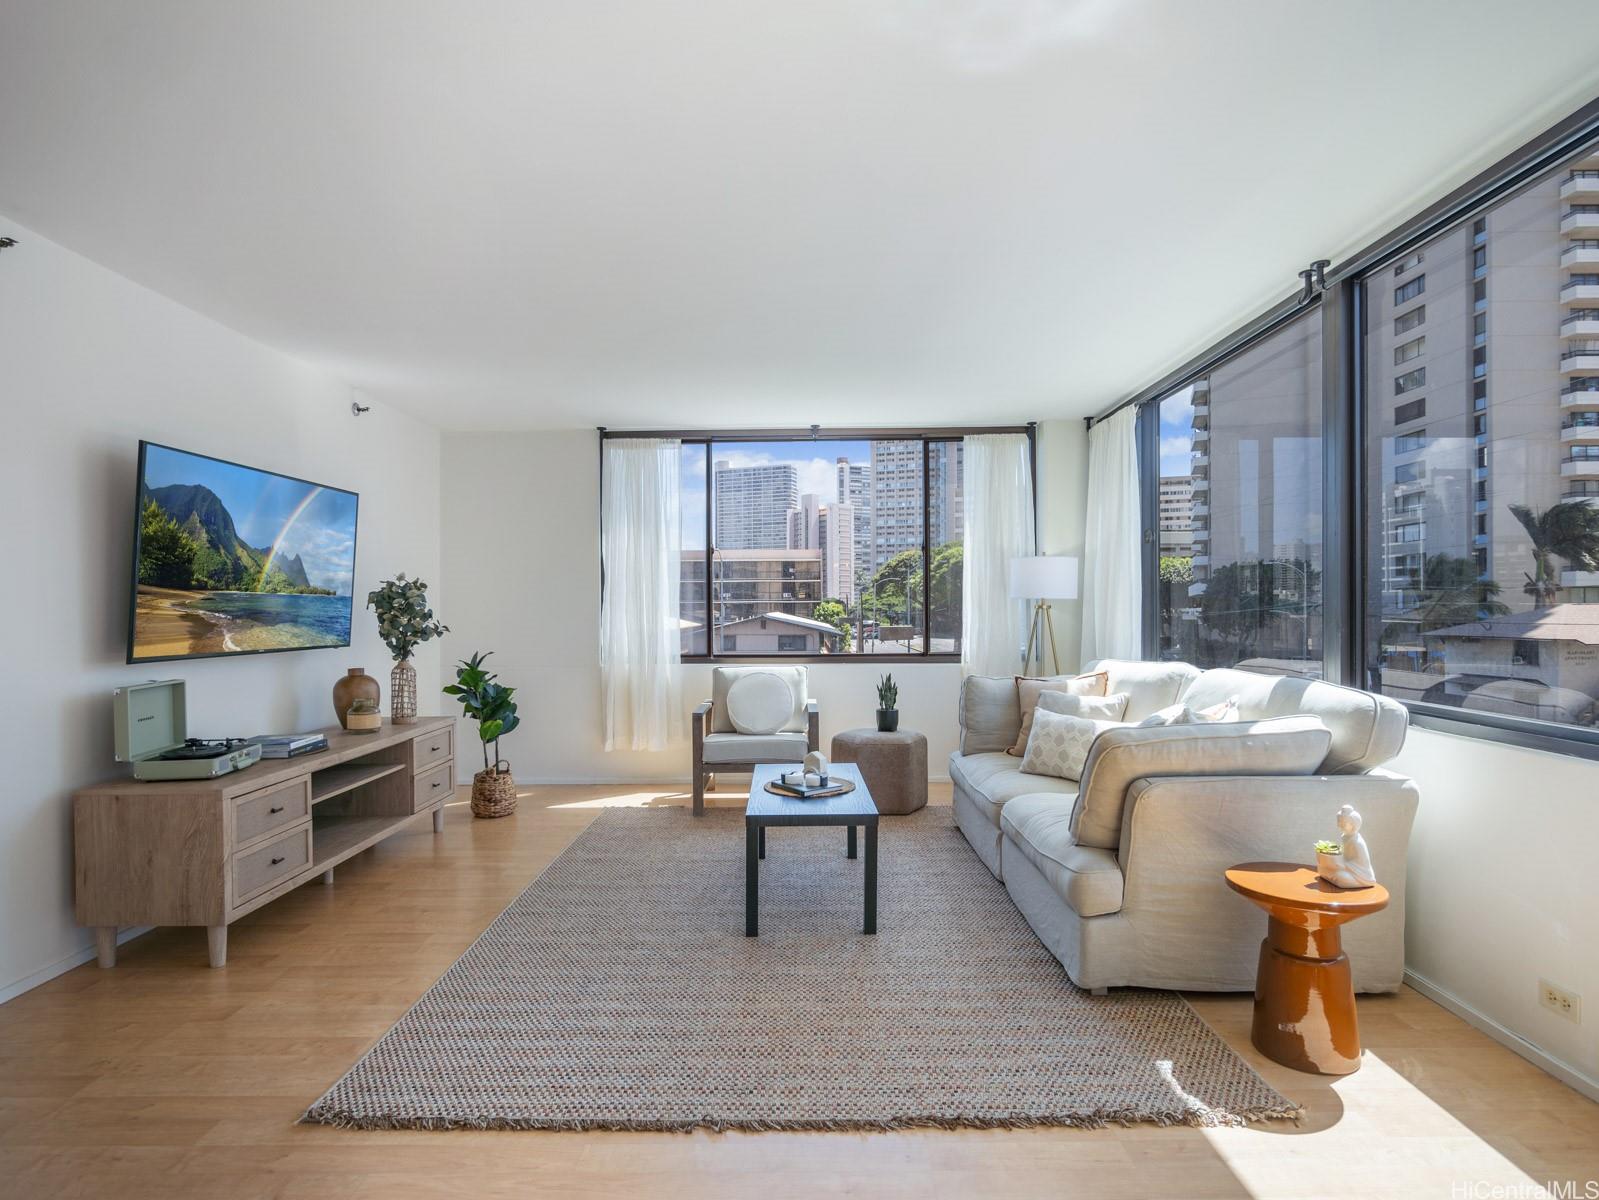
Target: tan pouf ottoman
<point>894,766</point>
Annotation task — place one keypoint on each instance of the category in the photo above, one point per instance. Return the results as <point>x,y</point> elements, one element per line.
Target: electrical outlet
<point>1566,1004</point>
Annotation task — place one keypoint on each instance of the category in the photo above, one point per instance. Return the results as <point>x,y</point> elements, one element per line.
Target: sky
<point>1176,432</point>
<point>261,504</point>
<point>815,463</point>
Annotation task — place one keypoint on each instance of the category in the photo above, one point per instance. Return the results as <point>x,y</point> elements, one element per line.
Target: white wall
<point>531,593</point>
<point>89,364</point>
<point>1500,891</point>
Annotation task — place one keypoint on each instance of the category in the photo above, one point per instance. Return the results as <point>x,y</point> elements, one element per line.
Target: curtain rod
<point>818,433</point>
<point>1532,158</point>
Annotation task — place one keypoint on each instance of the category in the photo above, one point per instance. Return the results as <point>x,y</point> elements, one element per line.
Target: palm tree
<point>1452,594</point>
<point>1568,530</point>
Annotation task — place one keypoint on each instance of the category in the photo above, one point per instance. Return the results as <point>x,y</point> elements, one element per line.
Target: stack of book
<point>289,745</point>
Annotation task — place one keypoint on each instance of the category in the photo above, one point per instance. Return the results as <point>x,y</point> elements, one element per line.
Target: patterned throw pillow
<point>1181,714</point>
<point>1059,743</point>
<point>1028,691</point>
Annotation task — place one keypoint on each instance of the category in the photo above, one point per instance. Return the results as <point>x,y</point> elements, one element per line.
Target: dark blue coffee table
<point>765,808</point>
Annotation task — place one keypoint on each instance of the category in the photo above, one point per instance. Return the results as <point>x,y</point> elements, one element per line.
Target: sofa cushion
<point>1149,685</point>
<point>1029,690</point>
<point>1087,878</point>
<point>988,715</point>
<point>994,779</point>
<point>755,748</point>
<point>723,678</point>
<point>1058,745</point>
<point>1284,746</point>
<point>1367,730</point>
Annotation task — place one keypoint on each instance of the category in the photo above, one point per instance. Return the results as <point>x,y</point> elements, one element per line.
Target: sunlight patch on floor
<point>1355,1154</point>
<point>662,799</point>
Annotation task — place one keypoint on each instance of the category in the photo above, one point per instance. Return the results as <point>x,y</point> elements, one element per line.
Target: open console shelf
<point>336,780</point>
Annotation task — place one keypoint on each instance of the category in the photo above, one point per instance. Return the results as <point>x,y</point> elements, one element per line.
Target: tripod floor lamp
<point>1042,578</point>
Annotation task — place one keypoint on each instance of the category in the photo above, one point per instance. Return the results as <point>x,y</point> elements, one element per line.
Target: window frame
<point>1342,308</point>
<point>929,436</point>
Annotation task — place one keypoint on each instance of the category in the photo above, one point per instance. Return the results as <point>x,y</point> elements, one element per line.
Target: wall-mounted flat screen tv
<point>229,559</point>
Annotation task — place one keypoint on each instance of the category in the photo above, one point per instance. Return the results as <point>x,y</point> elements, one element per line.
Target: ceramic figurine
<point>1353,868</point>
<point>816,764</point>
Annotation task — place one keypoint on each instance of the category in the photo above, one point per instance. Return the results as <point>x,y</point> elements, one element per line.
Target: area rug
<point>619,992</point>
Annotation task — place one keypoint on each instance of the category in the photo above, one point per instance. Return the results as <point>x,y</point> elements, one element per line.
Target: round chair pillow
<point>759,703</point>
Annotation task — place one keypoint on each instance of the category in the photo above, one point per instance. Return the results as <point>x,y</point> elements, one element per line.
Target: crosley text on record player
<point>151,721</point>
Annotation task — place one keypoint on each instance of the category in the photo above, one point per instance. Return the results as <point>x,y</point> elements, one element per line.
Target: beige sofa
<point>1129,892</point>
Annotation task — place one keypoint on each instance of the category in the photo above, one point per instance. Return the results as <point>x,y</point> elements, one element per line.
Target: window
<point>1239,573</point>
<point>1410,443</point>
<point>1407,263</point>
<point>1409,291</point>
<point>1407,321</point>
<point>1507,485</point>
<point>1410,350</point>
<point>1408,472</point>
<point>822,547</point>
<point>1411,410</point>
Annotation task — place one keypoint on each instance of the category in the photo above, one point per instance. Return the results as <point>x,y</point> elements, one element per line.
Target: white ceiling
<point>502,213</point>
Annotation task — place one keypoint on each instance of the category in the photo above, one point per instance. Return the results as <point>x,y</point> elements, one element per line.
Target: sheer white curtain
<point>1112,558</point>
<point>998,484</point>
<point>640,545</point>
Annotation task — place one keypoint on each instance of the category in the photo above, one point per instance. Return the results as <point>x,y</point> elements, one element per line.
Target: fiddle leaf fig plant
<point>486,701</point>
<point>404,619</point>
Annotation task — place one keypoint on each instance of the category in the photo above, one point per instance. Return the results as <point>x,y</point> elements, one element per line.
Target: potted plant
<point>887,698</point>
<point>404,622</point>
<point>1329,860</point>
<point>490,704</point>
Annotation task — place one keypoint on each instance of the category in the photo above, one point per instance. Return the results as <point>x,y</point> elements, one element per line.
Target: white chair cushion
<point>1087,878</point>
<point>760,703</point>
<point>723,678</point>
<point>754,748</point>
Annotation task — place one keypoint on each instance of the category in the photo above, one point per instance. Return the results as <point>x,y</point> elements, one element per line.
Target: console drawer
<point>432,748</point>
<point>435,786</point>
<point>259,870</point>
<point>277,807</point>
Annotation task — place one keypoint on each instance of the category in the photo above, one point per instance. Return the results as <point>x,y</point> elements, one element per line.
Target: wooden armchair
<point>718,746</point>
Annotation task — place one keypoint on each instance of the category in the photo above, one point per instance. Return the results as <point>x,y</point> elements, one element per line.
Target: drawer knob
<point>275,809</point>
<point>436,783</point>
<point>433,749</point>
<point>277,860</point>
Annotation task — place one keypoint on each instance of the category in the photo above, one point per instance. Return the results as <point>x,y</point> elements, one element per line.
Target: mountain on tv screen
<point>230,559</point>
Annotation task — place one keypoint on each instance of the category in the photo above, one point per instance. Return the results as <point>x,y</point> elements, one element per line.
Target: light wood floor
<point>162,1078</point>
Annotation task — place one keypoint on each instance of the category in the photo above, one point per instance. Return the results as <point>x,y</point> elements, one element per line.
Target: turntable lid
<point>149,718</point>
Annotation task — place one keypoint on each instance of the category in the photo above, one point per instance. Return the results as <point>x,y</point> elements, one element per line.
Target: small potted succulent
<point>404,622</point>
<point>490,704</point>
<point>1329,859</point>
<point>887,699</point>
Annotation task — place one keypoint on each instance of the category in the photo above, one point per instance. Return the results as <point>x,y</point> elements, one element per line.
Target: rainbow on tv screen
<point>233,560</point>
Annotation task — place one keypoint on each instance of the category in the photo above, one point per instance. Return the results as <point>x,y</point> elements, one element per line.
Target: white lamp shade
<point>1044,577</point>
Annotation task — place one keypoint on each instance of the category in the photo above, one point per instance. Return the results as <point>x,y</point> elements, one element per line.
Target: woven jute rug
<point>619,992</point>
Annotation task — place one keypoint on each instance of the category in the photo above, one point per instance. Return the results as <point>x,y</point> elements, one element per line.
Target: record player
<point>151,721</point>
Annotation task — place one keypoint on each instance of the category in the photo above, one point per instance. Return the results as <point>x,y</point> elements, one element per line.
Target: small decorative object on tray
<point>1346,863</point>
<point>816,764</point>
<point>805,785</point>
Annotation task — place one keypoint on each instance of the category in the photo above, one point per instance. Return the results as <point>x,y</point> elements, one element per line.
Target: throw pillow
<point>1099,708</point>
<point>759,703</point>
<point>1059,743</point>
<point>1028,691</point>
<point>1181,714</point>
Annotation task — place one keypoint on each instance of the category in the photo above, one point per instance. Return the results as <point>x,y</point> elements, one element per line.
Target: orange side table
<point>1304,995</point>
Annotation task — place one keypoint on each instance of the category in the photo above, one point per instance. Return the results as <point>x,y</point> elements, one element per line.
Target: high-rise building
<point>836,526</point>
<point>804,531</point>
<point>1177,515</point>
<point>897,498</point>
<point>855,489</point>
<point>752,505</point>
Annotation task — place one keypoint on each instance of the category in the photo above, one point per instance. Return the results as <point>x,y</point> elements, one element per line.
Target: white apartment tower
<point>752,505</point>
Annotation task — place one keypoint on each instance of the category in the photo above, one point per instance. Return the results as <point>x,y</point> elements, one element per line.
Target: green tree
<point>835,614</point>
<point>1452,594</point>
<point>166,553</point>
<point>1243,599</point>
<point>1176,569</point>
<point>1568,530</point>
<point>948,588</point>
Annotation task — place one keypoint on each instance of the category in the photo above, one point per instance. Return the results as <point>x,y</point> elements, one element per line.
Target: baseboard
<point>1569,1075</point>
<point>61,966</point>
<point>606,781</point>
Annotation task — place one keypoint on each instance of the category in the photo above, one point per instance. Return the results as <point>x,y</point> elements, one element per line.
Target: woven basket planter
<point>494,792</point>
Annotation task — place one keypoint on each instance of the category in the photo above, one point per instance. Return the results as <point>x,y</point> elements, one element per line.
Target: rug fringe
<point>1209,1119</point>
